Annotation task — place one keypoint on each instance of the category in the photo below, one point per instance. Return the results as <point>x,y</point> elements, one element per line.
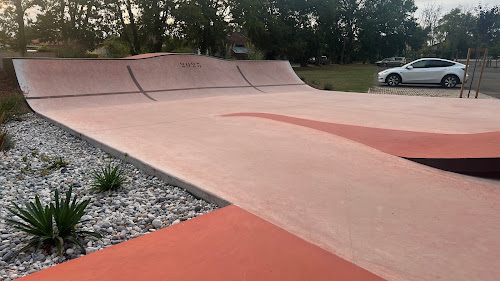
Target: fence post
<point>482,70</point>
<point>465,73</point>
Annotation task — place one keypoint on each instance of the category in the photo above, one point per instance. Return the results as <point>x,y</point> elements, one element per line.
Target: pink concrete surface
<point>402,143</point>
<point>393,217</point>
<point>225,245</point>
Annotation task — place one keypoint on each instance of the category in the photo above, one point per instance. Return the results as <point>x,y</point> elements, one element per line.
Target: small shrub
<point>116,48</point>
<point>51,225</point>
<point>6,142</point>
<point>44,158</point>
<point>108,178</point>
<point>13,104</point>
<point>26,168</point>
<point>328,87</point>
<point>44,49</point>
<point>58,164</point>
<point>72,50</point>
<point>44,173</point>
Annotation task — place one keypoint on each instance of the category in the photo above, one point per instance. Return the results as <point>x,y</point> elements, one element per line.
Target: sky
<point>448,5</point>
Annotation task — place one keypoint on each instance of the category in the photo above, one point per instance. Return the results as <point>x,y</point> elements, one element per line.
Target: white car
<point>425,71</point>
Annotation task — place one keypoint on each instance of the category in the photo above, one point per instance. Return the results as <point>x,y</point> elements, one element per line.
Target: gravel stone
<point>143,205</point>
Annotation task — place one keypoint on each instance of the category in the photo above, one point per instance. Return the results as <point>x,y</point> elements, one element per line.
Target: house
<point>237,46</point>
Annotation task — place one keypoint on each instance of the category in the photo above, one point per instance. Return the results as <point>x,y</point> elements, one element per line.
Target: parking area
<point>490,87</point>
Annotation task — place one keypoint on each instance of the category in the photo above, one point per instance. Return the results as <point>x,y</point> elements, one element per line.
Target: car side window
<point>420,64</point>
<point>440,63</point>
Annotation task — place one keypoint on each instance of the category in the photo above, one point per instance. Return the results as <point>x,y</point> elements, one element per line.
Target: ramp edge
<point>194,190</point>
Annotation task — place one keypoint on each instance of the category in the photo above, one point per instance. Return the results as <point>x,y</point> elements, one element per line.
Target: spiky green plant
<point>108,178</point>
<point>52,225</point>
<point>67,214</point>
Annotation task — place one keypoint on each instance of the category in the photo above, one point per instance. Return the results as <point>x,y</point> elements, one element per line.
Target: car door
<point>417,74</point>
<point>435,71</point>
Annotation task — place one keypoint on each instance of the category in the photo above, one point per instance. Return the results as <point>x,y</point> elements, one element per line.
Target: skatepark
<point>314,185</point>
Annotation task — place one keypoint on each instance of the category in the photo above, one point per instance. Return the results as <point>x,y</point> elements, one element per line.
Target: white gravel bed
<point>145,204</point>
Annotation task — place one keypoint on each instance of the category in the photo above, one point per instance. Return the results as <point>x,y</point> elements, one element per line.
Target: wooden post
<point>465,72</point>
<point>482,70</point>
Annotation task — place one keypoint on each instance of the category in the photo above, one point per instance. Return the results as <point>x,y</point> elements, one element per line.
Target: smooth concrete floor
<point>398,219</point>
<point>395,218</point>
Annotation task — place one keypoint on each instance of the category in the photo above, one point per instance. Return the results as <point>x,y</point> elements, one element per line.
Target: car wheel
<point>385,64</point>
<point>393,80</point>
<point>449,81</point>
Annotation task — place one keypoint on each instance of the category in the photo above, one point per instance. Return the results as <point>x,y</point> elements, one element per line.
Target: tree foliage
<point>343,30</point>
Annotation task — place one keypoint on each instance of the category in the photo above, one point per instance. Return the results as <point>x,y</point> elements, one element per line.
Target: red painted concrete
<point>225,245</point>
<point>403,143</point>
<point>393,217</point>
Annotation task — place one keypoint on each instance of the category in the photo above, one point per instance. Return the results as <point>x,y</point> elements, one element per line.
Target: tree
<point>12,20</point>
<point>384,26</point>
<point>205,23</point>
<point>488,26</point>
<point>429,19</point>
<point>456,30</point>
<point>73,22</point>
<point>282,29</point>
<point>154,23</point>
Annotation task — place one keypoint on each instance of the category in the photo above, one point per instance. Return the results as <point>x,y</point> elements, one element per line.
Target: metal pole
<point>465,73</point>
<point>481,75</point>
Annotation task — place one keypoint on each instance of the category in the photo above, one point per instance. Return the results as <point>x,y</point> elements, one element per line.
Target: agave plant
<point>52,225</point>
<point>67,214</point>
<point>108,178</point>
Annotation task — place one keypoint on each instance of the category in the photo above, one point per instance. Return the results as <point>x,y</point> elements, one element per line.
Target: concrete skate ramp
<point>338,185</point>
<point>55,83</point>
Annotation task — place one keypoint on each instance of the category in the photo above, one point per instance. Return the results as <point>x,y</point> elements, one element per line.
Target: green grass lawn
<point>335,77</point>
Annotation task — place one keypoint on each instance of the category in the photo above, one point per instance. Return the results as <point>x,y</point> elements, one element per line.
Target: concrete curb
<point>196,191</point>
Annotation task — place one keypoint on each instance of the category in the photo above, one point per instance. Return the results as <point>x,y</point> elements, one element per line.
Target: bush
<point>71,51</point>
<point>51,225</point>
<point>12,101</point>
<point>3,135</point>
<point>328,87</point>
<point>44,49</point>
<point>6,142</point>
<point>108,178</point>
<point>57,164</point>
<point>13,105</point>
<point>116,48</point>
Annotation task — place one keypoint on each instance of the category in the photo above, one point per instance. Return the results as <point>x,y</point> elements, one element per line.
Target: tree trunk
<point>158,28</point>
<point>21,38</point>
<point>343,51</point>
<point>137,47</point>
<point>125,31</point>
